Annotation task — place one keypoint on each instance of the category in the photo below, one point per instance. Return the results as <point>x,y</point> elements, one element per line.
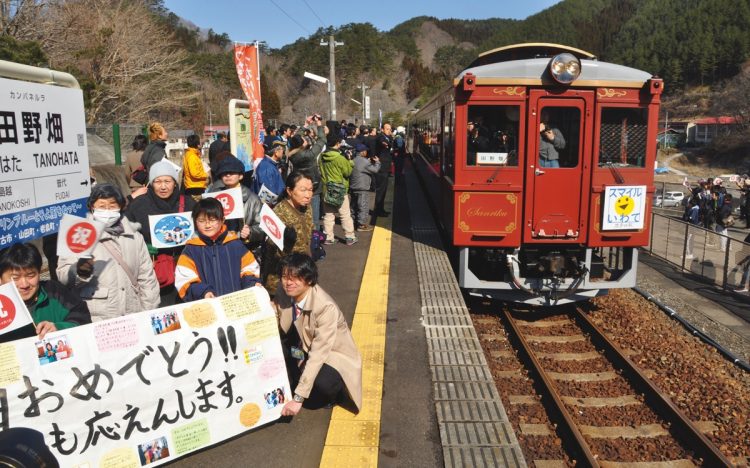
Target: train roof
<point>526,64</point>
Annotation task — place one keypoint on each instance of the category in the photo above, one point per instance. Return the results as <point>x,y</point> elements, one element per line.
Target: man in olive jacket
<point>334,167</point>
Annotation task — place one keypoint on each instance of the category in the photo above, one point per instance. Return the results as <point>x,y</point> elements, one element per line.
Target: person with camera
<point>365,167</point>
<point>335,171</point>
<point>383,148</point>
<point>268,172</point>
<point>551,141</point>
<point>303,155</point>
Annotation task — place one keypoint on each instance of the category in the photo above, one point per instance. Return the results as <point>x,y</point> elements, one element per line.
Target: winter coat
<point>193,172</point>
<point>150,204</point>
<point>364,169</point>
<point>133,162</point>
<point>251,217</point>
<point>108,292</point>
<point>307,160</point>
<point>220,266</point>
<point>334,167</point>
<point>326,339</point>
<point>154,152</point>
<point>302,223</point>
<point>267,173</point>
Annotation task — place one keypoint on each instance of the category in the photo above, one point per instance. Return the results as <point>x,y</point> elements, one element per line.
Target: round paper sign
<point>81,236</point>
<point>227,202</point>
<point>7,311</point>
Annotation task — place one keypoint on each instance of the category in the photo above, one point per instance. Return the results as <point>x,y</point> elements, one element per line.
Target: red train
<point>539,162</point>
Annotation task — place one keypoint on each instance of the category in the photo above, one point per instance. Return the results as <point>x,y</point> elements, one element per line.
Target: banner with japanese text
<point>44,162</point>
<point>246,60</point>
<point>147,388</point>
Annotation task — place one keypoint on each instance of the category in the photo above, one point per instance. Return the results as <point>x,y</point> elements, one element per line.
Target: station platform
<point>429,397</point>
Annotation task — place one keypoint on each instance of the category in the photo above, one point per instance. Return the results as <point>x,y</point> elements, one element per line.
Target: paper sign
<point>168,395</point>
<point>734,178</point>
<point>231,201</point>
<point>272,225</point>
<point>78,236</point>
<point>267,196</point>
<point>624,208</point>
<point>13,312</point>
<point>492,158</point>
<point>171,230</point>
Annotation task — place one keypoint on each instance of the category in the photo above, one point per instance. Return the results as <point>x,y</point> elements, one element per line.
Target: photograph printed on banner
<point>53,349</point>
<point>154,450</point>
<point>275,397</point>
<point>165,322</point>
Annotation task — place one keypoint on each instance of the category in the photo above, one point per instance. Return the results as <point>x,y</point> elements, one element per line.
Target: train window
<point>622,138</point>
<point>448,145</point>
<point>492,135</point>
<point>559,147</point>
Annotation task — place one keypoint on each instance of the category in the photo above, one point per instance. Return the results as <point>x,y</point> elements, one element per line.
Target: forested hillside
<point>137,61</point>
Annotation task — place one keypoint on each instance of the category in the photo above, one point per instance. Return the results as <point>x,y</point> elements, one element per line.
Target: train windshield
<point>492,135</point>
<point>622,138</point>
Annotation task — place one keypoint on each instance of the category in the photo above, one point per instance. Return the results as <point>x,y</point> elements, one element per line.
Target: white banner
<point>78,236</point>
<point>171,230</point>
<point>231,201</point>
<point>44,162</point>
<point>147,388</point>
<point>624,207</point>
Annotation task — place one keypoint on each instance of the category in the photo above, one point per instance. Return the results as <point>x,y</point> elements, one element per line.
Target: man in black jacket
<point>383,147</point>
<point>303,154</point>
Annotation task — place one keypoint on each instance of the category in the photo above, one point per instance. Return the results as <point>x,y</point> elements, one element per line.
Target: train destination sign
<point>44,162</point>
<point>624,208</point>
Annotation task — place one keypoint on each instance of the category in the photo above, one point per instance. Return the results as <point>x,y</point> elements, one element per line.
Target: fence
<point>699,251</point>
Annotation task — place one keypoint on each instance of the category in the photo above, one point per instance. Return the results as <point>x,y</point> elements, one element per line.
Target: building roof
<point>717,121</point>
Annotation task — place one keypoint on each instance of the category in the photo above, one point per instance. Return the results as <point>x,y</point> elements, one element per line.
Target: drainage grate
<point>470,411</point>
<point>465,391</point>
<point>460,374</point>
<point>482,457</point>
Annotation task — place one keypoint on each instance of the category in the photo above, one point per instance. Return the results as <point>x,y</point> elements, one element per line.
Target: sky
<point>281,22</point>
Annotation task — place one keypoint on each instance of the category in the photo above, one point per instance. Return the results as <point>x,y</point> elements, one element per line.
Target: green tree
<point>25,52</point>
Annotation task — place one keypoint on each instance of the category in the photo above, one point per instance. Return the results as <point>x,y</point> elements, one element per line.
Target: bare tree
<point>129,66</point>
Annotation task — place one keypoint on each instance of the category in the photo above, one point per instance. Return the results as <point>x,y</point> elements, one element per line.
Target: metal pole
<point>116,144</point>
<point>332,74</point>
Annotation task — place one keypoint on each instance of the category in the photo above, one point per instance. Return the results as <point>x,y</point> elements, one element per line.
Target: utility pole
<point>210,122</point>
<point>363,87</point>
<point>332,76</point>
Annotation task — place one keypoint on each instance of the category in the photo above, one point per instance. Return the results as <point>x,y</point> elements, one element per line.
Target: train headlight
<point>565,68</point>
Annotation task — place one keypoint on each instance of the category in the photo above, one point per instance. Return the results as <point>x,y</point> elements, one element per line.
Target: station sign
<point>44,162</point>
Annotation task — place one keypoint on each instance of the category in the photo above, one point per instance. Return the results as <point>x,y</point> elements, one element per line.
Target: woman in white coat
<point>119,279</point>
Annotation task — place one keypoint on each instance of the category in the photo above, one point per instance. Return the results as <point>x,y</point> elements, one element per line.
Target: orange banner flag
<point>246,60</point>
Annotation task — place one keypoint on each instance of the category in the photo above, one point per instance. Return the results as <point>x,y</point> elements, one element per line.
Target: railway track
<point>606,410</point>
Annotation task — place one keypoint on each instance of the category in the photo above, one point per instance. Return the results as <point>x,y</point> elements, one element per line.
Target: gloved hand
<point>85,267</point>
<point>290,237</point>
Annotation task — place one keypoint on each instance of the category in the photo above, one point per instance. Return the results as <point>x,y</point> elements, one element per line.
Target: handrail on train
<point>19,71</point>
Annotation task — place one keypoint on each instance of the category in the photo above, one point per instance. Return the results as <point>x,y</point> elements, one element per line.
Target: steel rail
<point>556,405</point>
<point>699,443</point>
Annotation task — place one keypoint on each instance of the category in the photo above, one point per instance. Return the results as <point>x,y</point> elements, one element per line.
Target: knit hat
<point>230,164</point>
<point>162,168</point>
<point>361,147</point>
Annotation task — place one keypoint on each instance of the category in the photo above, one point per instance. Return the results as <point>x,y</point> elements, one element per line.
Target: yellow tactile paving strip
<point>353,439</point>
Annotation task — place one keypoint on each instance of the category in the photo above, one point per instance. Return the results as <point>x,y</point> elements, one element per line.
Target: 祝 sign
<point>170,230</point>
<point>624,208</point>
<point>78,236</point>
<point>147,388</point>
<point>272,225</point>
<point>13,312</point>
<point>44,162</point>
<point>231,201</point>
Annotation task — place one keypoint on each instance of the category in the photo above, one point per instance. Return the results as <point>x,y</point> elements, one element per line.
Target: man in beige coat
<point>323,362</point>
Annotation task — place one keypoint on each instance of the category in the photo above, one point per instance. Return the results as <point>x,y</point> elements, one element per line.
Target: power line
<point>291,17</point>
<point>316,15</point>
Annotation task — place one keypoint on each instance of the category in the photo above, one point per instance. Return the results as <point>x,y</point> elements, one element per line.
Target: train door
<point>557,168</point>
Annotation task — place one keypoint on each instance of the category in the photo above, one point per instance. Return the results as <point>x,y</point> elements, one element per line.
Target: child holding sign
<point>215,262</point>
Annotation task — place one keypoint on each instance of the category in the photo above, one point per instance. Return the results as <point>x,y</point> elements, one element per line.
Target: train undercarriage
<point>545,275</point>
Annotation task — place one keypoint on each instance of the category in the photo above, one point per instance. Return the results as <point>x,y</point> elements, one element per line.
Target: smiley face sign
<point>624,205</point>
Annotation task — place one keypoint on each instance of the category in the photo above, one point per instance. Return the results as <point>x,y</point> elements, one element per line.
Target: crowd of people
<point>310,176</point>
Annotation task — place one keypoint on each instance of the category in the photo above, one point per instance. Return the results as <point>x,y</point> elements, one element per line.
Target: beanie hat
<point>361,147</point>
<point>230,164</point>
<point>162,168</point>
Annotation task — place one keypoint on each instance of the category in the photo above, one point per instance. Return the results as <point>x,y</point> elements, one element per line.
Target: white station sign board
<point>44,160</point>
<point>624,207</point>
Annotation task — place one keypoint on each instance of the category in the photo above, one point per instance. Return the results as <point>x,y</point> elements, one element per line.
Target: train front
<point>552,175</point>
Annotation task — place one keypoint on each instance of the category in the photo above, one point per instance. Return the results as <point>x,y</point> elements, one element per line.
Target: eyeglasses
<point>205,221</point>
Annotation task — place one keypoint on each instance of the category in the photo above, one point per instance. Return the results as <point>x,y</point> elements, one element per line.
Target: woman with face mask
<point>118,278</point>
